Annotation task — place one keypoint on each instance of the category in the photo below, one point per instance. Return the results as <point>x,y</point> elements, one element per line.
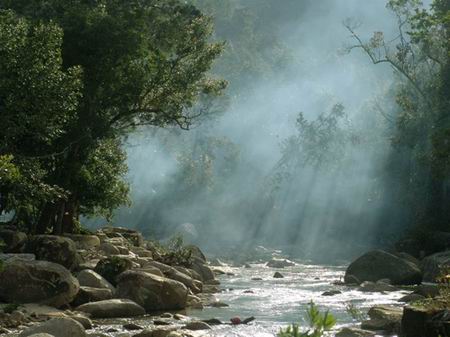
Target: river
<point>277,302</point>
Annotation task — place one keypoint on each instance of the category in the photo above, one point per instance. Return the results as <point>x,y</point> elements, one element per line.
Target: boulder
<point>83,241</point>
<point>197,325</point>
<point>152,292</point>
<point>354,332</point>
<point>378,264</point>
<point>280,263</point>
<point>133,237</point>
<point>54,248</point>
<point>203,270</point>
<point>197,253</point>
<point>37,282</point>
<point>41,335</point>
<point>194,285</point>
<point>112,309</point>
<point>89,278</point>
<point>112,267</point>
<point>109,249</point>
<point>427,290</point>
<point>13,241</point>
<point>88,294</point>
<point>411,298</point>
<point>433,265</point>
<point>415,321</point>
<point>61,327</point>
<point>385,318</point>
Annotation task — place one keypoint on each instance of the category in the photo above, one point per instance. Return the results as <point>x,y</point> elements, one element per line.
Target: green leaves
<point>319,323</point>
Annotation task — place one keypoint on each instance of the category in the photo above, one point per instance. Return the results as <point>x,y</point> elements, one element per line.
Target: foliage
<point>175,253</point>
<point>420,58</point>
<point>319,323</point>
<point>76,77</point>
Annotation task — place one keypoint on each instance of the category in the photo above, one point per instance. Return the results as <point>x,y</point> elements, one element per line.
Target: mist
<point>322,213</point>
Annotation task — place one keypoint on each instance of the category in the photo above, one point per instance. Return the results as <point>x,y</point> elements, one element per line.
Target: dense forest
<point>180,168</point>
<point>81,81</point>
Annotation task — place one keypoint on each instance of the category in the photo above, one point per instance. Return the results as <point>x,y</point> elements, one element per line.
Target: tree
<point>420,57</point>
<point>38,100</point>
<point>143,62</point>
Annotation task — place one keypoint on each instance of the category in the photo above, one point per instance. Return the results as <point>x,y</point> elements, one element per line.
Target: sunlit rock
<point>60,327</point>
<point>37,281</point>
<point>152,292</point>
<point>378,264</point>
<point>112,308</point>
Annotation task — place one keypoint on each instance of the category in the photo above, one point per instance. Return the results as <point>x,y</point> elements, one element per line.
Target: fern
<point>318,323</point>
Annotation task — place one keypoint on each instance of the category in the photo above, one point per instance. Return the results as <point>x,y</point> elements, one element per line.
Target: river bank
<point>117,284</point>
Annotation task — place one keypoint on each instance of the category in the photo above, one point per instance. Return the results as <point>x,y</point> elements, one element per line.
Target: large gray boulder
<point>89,278</point>
<point>61,327</point>
<point>205,272</point>
<point>112,309</point>
<point>384,318</point>
<point>378,264</point>
<point>112,267</point>
<point>88,294</point>
<point>177,275</point>
<point>37,282</point>
<point>434,265</point>
<point>152,292</point>
<point>54,248</point>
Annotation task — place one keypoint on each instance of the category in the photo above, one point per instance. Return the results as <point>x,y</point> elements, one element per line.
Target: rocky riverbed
<point>117,284</point>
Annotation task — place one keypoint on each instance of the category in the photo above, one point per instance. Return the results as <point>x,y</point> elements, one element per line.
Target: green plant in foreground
<point>318,323</point>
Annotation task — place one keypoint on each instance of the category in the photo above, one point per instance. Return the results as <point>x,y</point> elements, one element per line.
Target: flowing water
<point>276,302</point>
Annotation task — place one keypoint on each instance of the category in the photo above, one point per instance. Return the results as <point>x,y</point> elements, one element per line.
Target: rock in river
<point>378,264</point>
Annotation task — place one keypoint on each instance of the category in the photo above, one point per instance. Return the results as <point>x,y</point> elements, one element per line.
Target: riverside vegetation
<point>79,78</point>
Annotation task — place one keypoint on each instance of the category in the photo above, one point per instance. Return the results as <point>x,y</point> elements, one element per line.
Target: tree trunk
<point>46,219</point>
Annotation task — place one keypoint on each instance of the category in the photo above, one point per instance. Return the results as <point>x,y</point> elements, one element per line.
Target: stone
<point>112,309</point>
<point>279,263</point>
<point>331,293</point>
<point>132,326</point>
<point>53,248</point>
<point>151,270</point>
<point>368,286</point>
<point>278,275</point>
<point>197,253</point>
<point>84,241</point>
<point>378,264</point>
<point>385,318</point>
<point>427,290</point>
<point>197,325</point>
<point>83,320</point>
<point>113,266</point>
<point>13,256</point>
<point>41,335</point>
<point>434,265</point>
<point>415,321</point>
<point>89,278</point>
<point>61,327</point>
<point>354,332</point>
<point>37,282</point>
<point>13,240</point>
<point>109,249</point>
<point>203,270</point>
<point>411,298</point>
<point>133,237</point>
<point>152,292</point>
<point>88,294</point>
